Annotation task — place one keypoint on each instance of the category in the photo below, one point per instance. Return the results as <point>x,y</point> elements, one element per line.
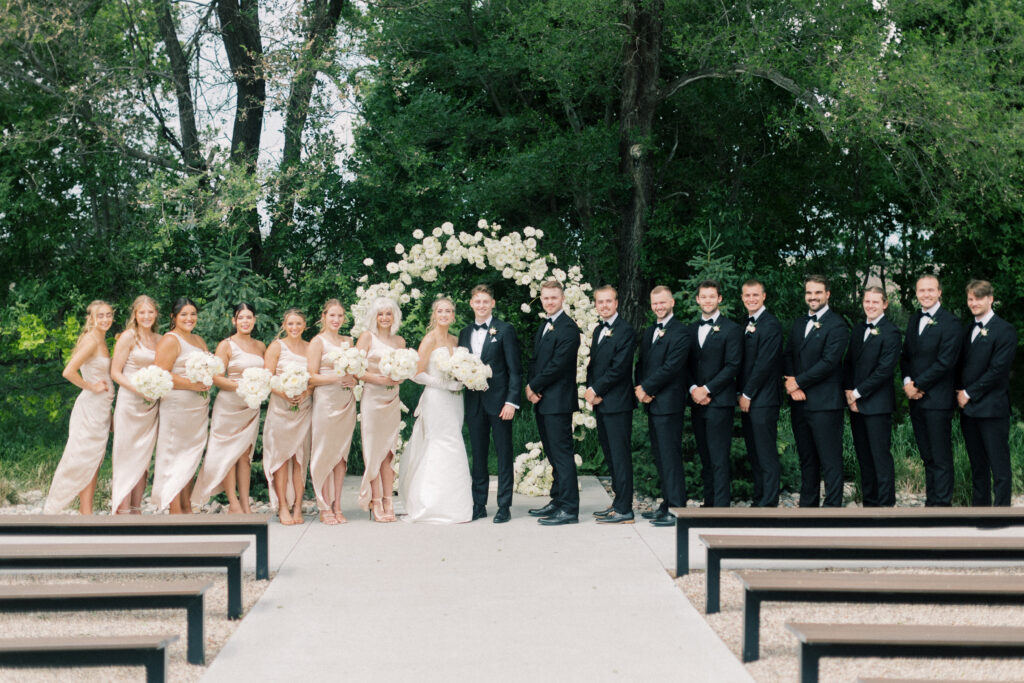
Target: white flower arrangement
<point>201,367</point>
<point>153,382</point>
<point>254,386</point>
<point>463,366</point>
<point>291,380</point>
<point>399,364</point>
<point>348,360</point>
<point>532,473</point>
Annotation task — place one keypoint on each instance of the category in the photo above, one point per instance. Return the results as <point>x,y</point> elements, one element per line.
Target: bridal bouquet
<point>348,361</point>
<point>464,367</point>
<point>153,383</point>
<point>254,387</point>
<point>291,380</point>
<point>399,364</point>
<point>201,367</point>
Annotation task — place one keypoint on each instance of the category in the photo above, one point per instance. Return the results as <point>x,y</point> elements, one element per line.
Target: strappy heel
<point>376,510</point>
<point>389,509</point>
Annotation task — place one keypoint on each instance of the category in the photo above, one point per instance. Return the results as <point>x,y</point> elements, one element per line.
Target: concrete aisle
<point>475,602</point>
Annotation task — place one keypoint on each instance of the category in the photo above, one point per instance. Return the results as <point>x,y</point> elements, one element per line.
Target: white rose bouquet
<point>201,367</point>
<point>153,383</point>
<point>254,386</point>
<point>532,472</point>
<point>464,367</point>
<point>291,380</point>
<point>399,364</point>
<point>349,361</point>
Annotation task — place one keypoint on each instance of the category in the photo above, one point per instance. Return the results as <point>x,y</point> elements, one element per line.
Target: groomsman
<point>552,391</point>
<point>610,391</point>
<point>983,393</point>
<point>931,349</point>
<point>870,361</point>
<point>713,366</point>
<point>813,366</point>
<point>760,384</point>
<point>662,387</point>
<point>490,412</point>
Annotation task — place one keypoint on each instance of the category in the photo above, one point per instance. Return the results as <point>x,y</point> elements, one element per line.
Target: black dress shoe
<point>544,511</point>
<point>666,520</point>
<point>604,513</point>
<point>479,512</point>
<point>617,518</point>
<point>650,514</point>
<point>559,518</point>
<point>501,516</point>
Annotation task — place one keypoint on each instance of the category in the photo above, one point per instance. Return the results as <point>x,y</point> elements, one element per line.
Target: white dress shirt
<point>810,323</point>
<point>984,321</point>
<point>605,330</point>
<point>755,317</point>
<point>661,322</point>
<point>478,337</point>
<point>925,320</point>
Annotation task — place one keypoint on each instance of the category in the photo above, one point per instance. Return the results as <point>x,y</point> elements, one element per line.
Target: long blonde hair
<point>133,322</point>
<point>433,310</point>
<point>281,331</point>
<point>90,319</point>
<point>327,306</point>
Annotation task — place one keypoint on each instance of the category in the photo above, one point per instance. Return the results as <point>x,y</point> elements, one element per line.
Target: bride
<point>434,482</point>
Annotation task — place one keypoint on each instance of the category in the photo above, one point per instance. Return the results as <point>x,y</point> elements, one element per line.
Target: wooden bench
<point>824,518</point>
<point>227,554</point>
<point>147,651</point>
<point>67,597</point>
<point>146,525</point>
<point>849,548</point>
<point>901,640</point>
<point>933,589</point>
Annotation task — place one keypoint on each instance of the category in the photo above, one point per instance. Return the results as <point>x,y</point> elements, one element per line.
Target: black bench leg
<point>682,548</point>
<point>714,577</point>
<point>156,666</point>
<point>808,664</point>
<point>196,646</point>
<point>751,627</point>
<point>235,588</point>
<point>262,554</point>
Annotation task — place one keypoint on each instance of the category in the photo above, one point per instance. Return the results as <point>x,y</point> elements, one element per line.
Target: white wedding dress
<point>434,482</point>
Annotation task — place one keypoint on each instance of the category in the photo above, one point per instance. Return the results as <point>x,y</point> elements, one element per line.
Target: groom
<point>491,411</point>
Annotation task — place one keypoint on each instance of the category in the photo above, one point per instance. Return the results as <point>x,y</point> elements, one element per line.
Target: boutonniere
<point>658,334</point>
<point>874,331</point>
<point>932,321</point>
<point>608,334</point>
<point>493,332</point>
<point>716,328</point>
<point>817,325</point>
<point>984,332</point>
<point>751,328</point>
<point>549,327</point>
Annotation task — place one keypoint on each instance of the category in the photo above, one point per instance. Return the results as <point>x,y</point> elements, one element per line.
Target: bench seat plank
<point>147,651</point>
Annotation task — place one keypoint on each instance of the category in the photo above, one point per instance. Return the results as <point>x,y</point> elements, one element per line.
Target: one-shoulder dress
<point>286,432</point>
<point>381,413</point>
<point>135,429</point>
<point>334,421</point>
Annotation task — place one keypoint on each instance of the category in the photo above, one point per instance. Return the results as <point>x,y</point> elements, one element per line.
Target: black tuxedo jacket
<point>760,376</point>
<point>661,367</point>
<point>816,361</point>
<point>930,359</point>
<point>610,370</point>
<point>552,370</point>
<point>717,363</point>
<point>985,368</point>
<point>869,366</point>
<point>501,353</point>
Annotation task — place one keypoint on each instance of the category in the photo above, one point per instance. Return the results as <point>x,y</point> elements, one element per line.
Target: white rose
<point>367,262</point>
<point>525,308</point>
<point>399,249</point>
<point>417,234</point>
<point>482,224</point>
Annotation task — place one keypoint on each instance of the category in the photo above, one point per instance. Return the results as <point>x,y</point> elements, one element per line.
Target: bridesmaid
<point>334,414</point>
<point>381,410</point>
<point>286,437</point>
<point>135,419</point>
<point>184,413</point>
<point>90,418</point>
<point>234,425</point>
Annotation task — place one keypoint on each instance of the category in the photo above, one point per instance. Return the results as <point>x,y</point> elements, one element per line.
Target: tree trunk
<point>640,60</point>
<point>190,153</point>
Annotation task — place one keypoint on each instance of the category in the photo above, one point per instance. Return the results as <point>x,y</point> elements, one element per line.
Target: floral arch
<point>516,257</point>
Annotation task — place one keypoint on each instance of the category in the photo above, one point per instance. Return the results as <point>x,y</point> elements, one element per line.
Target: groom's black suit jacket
<point>552,371</point>
<point>610,370</point>
<point>501,352</point>
<point>661,368</point>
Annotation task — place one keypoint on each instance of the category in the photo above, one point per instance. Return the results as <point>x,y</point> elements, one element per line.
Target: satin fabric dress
<point>234,427</point>
<point>286,432</point>
<point>181,438</point>
<point>88,432</point>
<point>435,485</point>
<point>381,413</point>
<point>334,422</point>
<point>135,427</point>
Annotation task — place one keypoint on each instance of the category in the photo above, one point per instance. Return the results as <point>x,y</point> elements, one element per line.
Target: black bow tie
<point>871,326</point>
<point>606,325</point>
<point>978,323</point>
<point>661,326</point>
<point>926,314</point>
<point>812,318</point>
<point>708,322</point>
<point>480,326</point>
<point>751,320</point>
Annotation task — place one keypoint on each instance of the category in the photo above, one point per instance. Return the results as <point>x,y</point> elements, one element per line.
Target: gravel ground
<point>218,628</point>
<point>779,662</point>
